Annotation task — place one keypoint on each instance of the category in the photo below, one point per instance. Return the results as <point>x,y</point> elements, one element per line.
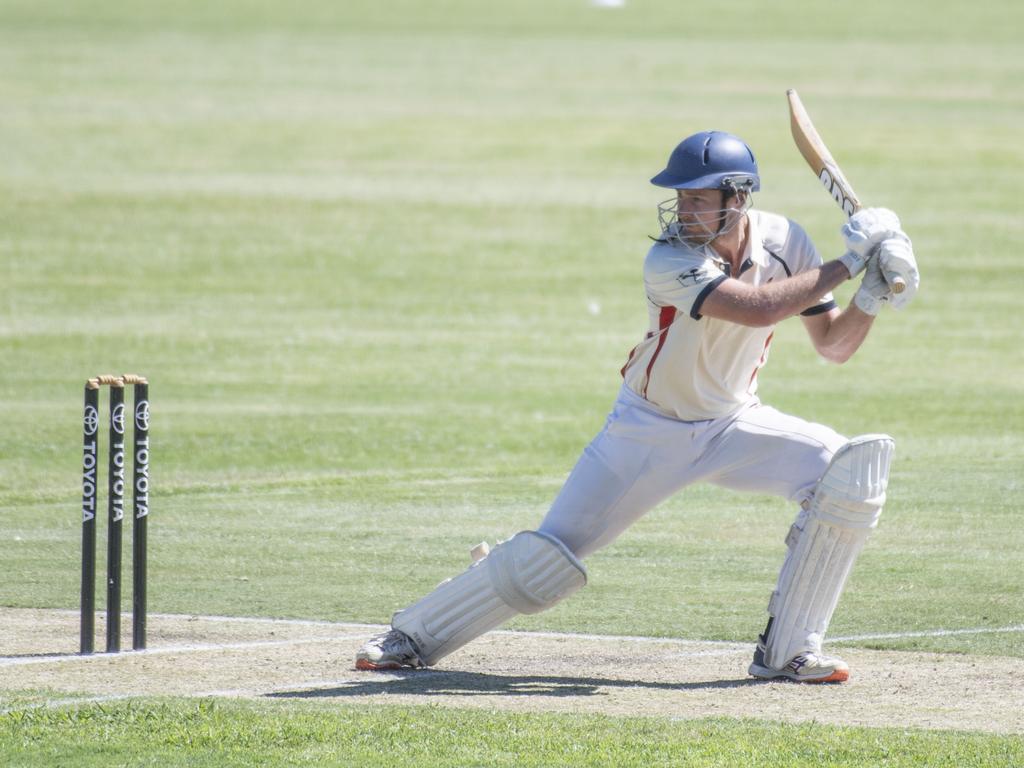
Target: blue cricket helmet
<point>711,160</point>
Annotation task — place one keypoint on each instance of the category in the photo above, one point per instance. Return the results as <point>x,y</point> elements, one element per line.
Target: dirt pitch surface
<point>514,671</point>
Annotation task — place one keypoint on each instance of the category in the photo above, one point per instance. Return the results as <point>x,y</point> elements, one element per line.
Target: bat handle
<point>896,283</point>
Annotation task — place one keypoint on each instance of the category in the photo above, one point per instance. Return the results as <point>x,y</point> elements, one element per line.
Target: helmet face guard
<point>678,227</point>
<point>707,160</point>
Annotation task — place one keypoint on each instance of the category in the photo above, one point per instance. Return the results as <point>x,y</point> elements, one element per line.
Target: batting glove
<point>865,230</point>
<point>896,259</point>
<point>874,292</point>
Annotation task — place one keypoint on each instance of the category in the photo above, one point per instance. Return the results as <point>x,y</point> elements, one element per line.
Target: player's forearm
<point>844,334</point>
<point>792,296</point>
<point>774,302</point>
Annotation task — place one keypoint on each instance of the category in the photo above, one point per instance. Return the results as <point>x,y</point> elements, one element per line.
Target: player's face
<point>698,217</point>
<point>700,211</point>
<point>699,202</point>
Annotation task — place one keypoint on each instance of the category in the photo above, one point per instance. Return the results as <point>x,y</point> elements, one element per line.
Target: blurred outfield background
<point>381,262</point>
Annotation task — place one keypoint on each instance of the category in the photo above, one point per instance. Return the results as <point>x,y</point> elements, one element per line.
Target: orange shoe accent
<point>365,665</point>
<point>839,676</point>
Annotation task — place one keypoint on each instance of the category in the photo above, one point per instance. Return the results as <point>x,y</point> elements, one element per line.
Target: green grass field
<point>212,734</point>
<point>382,264</point>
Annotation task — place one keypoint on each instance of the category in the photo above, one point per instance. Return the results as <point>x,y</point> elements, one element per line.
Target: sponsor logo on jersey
<point>695,276</point>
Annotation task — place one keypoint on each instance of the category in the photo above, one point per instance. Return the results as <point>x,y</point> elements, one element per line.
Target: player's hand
<point>874,291</point>
<point>896,259</point>
<point>865,230</point>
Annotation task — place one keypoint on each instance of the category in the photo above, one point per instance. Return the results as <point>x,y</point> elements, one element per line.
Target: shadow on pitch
<point>442,683</point>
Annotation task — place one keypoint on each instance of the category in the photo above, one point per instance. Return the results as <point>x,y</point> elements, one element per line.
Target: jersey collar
<point>755,251</point>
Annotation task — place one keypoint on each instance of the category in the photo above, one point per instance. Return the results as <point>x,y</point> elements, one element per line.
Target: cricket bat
<point>811,146</point>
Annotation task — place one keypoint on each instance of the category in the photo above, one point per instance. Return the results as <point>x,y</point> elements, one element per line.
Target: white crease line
<point>261,620</point>
<point>927,633</point>
<point>16,661</point>
<point>187,617</point>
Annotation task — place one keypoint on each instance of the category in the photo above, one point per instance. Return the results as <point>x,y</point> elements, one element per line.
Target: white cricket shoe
<point>391,650</point>
<point>806,667</point>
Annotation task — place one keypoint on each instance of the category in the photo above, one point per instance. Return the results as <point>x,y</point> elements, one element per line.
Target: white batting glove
<point>865,230</point>
<point>874,291</point>
<point>896,259</point>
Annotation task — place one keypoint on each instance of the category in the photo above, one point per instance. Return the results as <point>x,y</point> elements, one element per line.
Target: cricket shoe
<point>391,650</point>
<point>806,667</point>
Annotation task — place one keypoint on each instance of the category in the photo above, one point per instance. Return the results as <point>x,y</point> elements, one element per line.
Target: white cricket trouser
<point>641,458</point>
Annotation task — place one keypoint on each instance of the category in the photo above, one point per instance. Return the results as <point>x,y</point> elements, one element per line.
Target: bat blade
<point>818,157</point>
<point>816,153</point>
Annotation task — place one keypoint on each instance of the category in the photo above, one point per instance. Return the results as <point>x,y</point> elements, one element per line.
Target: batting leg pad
<point>845,507</point>
<point>526,574</point>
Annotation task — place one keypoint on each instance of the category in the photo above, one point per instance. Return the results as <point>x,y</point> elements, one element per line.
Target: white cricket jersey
<point>692,367</point>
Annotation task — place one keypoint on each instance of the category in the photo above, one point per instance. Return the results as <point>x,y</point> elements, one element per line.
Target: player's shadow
<point>454,683</point>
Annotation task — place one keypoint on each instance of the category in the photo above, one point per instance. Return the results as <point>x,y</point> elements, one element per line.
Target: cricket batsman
<point>718,279</point>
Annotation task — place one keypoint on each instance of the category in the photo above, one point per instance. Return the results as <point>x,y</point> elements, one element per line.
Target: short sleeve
<point>804,256</point>
<point>682,281</point>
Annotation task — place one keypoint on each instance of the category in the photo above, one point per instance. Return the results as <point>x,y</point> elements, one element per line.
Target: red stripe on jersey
<point>668,314</point>
<point>761,362</point>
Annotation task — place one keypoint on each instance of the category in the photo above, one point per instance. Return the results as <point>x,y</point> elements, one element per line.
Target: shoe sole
<point>365,665</point>
<point>764,673</point>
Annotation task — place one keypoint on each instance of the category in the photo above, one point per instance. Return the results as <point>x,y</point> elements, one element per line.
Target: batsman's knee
<point>852,490</point>
<point>533,571</point>
<point>528,573</point>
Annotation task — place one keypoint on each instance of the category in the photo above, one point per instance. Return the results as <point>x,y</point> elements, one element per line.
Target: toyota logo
<point>91,420</point>
<point>142,416</point>
<point>117,419</point>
